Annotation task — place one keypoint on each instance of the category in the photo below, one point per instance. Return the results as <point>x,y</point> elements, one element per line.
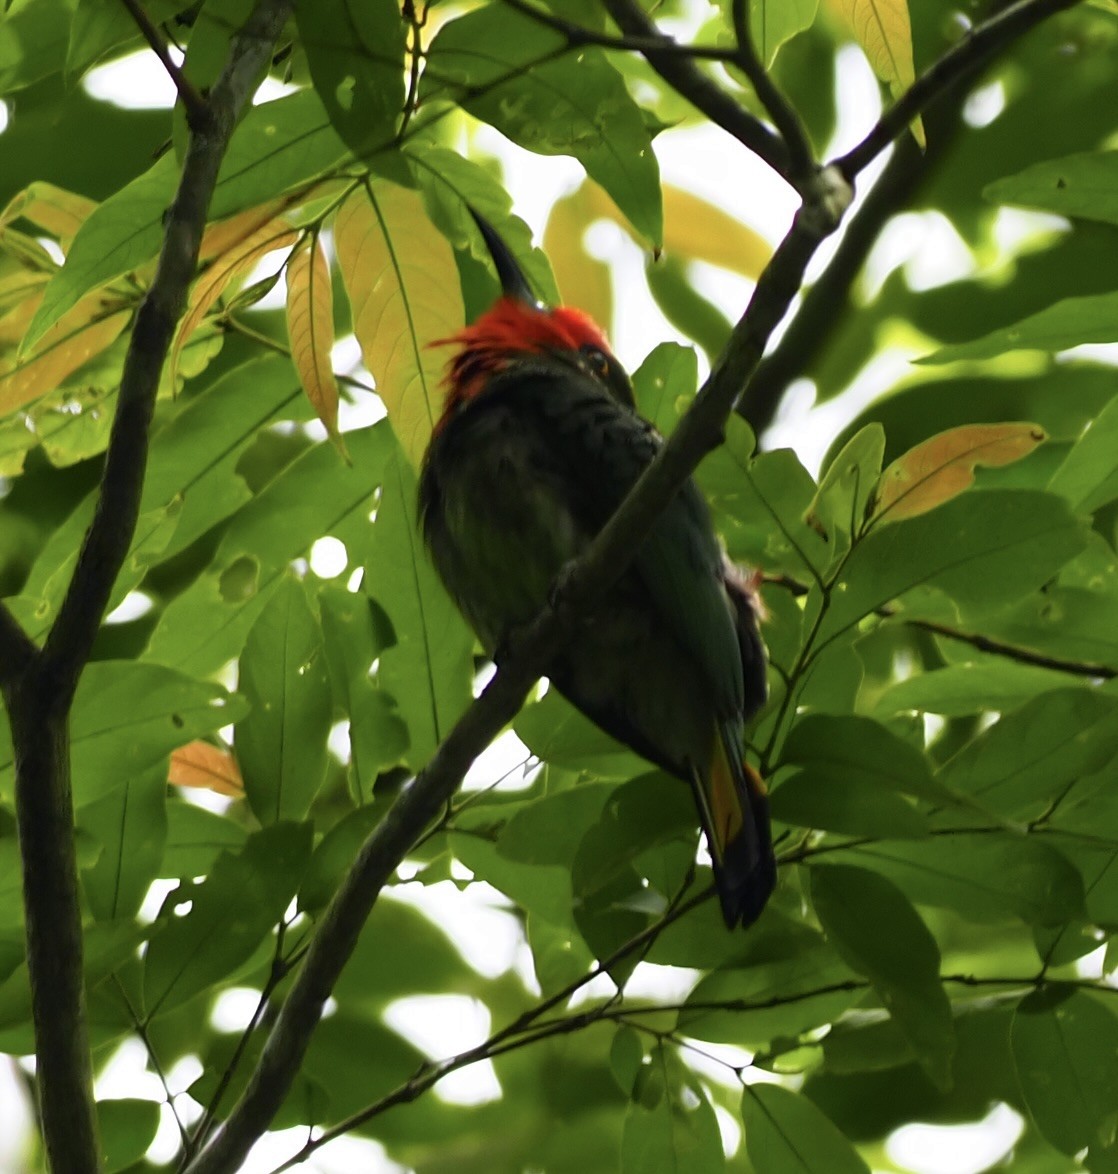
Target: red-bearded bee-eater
<point>538,443</point>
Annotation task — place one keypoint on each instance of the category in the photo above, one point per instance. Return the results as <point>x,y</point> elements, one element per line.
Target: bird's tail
<point>734,807</point>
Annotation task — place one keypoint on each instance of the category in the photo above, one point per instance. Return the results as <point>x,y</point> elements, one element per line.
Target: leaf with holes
<point>281,743</point>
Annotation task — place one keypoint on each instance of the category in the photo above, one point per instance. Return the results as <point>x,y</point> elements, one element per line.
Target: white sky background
<point>705,161</point>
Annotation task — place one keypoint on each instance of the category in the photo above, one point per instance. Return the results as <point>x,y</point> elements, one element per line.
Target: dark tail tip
<point>746,876</point>
<point>513,282</point>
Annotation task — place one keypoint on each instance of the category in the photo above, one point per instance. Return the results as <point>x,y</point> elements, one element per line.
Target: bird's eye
<point>597,360</point>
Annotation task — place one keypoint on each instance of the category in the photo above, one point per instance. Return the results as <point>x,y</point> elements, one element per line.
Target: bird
<point>537,443</point>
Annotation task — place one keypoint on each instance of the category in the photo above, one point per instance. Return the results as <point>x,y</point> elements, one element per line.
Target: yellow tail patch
<point>726,814</point>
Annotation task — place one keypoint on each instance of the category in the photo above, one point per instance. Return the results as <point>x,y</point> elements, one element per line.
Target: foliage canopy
<point>941,740</point>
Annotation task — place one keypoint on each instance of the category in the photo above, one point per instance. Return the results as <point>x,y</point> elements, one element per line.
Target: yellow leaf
<point>232,232</point>
<point>57,211</point>
<point>200,764</point>
<point>310,328</point>
<point>73,340</point>
<point>883,30</point>
<point>943,466</point>
<point>234,262</point>
<point>701,231</point>
<point>583,281</point>
<point>403,287</point>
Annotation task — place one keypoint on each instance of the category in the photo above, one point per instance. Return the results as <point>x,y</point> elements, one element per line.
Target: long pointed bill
<point>513,282</point>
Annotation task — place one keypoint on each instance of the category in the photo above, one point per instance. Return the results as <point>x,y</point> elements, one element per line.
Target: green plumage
<point>517,482</point>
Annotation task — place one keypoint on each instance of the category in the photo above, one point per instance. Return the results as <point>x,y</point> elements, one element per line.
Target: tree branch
<point>684,76</point>
<point>39,686</point>
<point>801,158</point>
<point>576,36</point>
<point>826,197</point>
<point>109,536</point>
<point>960,61</point>
<point>197,109</point>
<point>17,649</point>
<point>584,582</point>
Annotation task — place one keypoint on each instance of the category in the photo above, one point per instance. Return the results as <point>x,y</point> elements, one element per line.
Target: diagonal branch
<point>685,77</point>
<point>965,57</point>
<point>106,544</point>
<point>781,111</point>
<point>583,582</point>
<point>197,109</point>
<point>38,686</point>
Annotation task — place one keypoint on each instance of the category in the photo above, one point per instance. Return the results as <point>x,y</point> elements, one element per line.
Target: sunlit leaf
<point>403,287</point>
<point>355,50</point>
<point>82,334</point>
<point>226,268</point>
<point>942,467</point>
<point>550,102</point>
<point>53,209</point>
<point>701,231</point>
<point>772,22</point>
<point>281,742</point>
<point>310,327</point>
<point>1083,185</point>
<point>202,764</point>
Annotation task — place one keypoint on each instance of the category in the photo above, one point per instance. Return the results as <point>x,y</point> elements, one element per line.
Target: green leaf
<point>838,751</point>
<point>1084,185</point>
<point>962,689</point>
<point>377,736</point>
<point>877,932</point>
<point>130,824</point>
<point>1065,1048</point>
<point>550,829</point>
<point>316,495</point>
<point>278,145</point>
<point>677,1131</point>
<point>772,22</point>
<point>97,27</point>
<point>855,807</point>
<point>625,1057</point>
<point>1065,324</point>
<point>786,1134</point>
<point>985,877</point>
<point>452,184</point>
<point>428,669</point>
<point>33,39</point>
<point>848,483</point>
<point>749,1005</point>
<point>984,549</point>
<point>195,838</point>
<point>281,742</point>
<point>127,718</point>
<point>1088,477</point>
<point>127,1128</point>
<point>231,912</point>
<point>1028,758</point>
<point>355,51</point>
<point>560,734</point>
<point>664,384</point>
<point>510,71</point>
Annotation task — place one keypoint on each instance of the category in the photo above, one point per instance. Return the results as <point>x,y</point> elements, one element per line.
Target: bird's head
<point>519,325</point>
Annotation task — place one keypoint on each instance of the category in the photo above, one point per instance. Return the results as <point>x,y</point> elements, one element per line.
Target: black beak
<point>513,282</point>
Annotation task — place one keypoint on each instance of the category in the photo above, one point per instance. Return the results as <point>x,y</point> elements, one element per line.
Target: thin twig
<point>682,73</point>
<point>577,36</point>
<point>196,107</point>
<point>801,158</point>
<point>965,57</point>
<point>1079,668</point>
